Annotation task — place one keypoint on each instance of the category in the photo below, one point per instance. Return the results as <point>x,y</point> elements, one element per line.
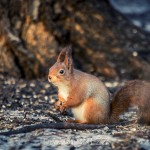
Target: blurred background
<point>110,38</point>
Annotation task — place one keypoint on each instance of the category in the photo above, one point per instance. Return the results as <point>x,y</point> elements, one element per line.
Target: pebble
<point>32,85</point>
<point>46,98</point>
<point>133,129</point>
<point>111,84</point>
<point>135,54</point>
<point>17,91</point>
<point>3,106</point>
<point>28,96</point>
<point>24,96</point>
<point>22,85</point>
<point>47,86</point>
<point>106,128</point>
<point>34,96</point>
<point>43,91</point>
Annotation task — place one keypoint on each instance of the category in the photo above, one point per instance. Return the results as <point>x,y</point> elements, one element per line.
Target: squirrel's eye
<point>61,71</point>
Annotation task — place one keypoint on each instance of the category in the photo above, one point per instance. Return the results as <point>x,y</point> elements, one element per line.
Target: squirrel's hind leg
<point>94,113</point>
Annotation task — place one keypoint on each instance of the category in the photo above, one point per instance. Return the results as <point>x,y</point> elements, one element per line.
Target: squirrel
<point>89,98</point>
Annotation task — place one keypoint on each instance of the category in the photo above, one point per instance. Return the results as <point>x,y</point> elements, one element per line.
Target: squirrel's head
<point>62,70</point>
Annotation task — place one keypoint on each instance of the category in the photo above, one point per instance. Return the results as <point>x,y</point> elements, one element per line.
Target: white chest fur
<point>78,112</point>
<point>63,92</point>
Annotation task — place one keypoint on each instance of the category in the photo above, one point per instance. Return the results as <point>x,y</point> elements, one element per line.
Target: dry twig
<point>59,125</point>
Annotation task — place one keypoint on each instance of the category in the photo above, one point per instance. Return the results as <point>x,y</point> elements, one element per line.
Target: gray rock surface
<point>30,102</point>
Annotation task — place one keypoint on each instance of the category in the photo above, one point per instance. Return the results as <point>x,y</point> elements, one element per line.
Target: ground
<point>31,102</point>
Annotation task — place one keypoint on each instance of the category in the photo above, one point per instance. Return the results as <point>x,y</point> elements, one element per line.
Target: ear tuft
<point>65,51</point>
<point>68,58</point>
<point>61,56</point>
<point>69,50</point>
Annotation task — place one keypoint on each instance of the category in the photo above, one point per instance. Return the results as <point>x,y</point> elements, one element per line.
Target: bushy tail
<point>133,93</point>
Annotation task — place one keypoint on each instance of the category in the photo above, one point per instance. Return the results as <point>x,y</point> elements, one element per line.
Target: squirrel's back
<point>92,85</point>
<point>133,93</point>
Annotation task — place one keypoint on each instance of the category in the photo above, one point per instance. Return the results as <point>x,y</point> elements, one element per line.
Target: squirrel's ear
<point>68,59</point>
<point>61,56</point>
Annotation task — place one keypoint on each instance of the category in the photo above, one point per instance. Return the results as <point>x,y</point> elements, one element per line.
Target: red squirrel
<point>89,98</point>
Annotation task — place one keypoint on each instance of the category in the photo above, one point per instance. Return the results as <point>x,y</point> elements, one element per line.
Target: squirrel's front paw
<point>62,108</point>
<point>59,105</point>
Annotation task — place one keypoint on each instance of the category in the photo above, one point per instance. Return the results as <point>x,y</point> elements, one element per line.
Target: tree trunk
<point>31,32</point>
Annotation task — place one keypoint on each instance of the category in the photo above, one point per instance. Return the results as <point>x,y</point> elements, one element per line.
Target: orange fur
<point>94,113</point>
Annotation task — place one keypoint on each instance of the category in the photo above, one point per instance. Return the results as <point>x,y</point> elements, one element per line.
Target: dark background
<point>105,42</point>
